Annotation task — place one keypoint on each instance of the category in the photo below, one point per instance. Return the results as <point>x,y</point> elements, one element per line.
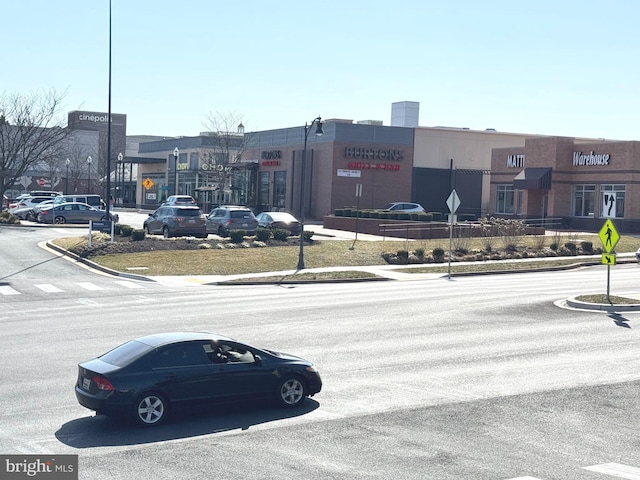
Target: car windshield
<point>125,354</point>
<point>189,212</point>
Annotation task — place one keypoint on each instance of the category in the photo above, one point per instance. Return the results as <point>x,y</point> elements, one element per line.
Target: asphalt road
<point>483,377</point>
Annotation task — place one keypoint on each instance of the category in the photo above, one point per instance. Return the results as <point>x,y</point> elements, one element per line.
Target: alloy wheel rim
<point>291,392</point>
<point>150,409</point>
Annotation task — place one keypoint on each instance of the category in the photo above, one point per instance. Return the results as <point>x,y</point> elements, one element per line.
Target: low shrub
<point>237,236</point>
<point>307,235</point>
<point>6,217</point>
<point>126,230</point>
<point>138,234</point>
<point>438,254</point>
<point>419,252</point>
<point>572,247</point>
<point>281,234</point>
<point>587,247</point>
<point>263,234</point>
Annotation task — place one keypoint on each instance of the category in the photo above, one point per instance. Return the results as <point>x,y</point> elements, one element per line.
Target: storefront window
<point>279,190</point>
<point>583,200</point>
<point>504,199</point>
<point>619,191</point>
<point>263,192</point>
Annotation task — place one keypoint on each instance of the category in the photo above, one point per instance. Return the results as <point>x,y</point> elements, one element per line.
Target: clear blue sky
<point>560,67</point>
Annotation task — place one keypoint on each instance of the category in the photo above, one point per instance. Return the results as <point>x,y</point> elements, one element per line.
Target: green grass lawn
<point>319,253</point>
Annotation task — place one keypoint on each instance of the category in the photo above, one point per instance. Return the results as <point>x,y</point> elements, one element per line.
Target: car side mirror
<point>258,359</point>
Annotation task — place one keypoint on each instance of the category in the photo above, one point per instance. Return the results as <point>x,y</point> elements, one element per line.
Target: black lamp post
<point>89,160</point>
<point>307,129</point>
<point>120,168</point>
<point>66,178</point>
<point>176,152</point>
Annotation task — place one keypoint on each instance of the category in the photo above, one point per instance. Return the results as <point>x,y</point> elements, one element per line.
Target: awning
<point>538,178</point>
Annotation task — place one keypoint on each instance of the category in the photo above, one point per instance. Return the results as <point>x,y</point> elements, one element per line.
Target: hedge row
<point>385,215</point>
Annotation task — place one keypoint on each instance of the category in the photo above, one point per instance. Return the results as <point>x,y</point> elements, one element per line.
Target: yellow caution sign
<point>148,183</point>
<point>609,236</point>
<point>608,258</point>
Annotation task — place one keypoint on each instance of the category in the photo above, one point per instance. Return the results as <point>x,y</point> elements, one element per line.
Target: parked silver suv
<point>174,220</point>
<point>223,219</point>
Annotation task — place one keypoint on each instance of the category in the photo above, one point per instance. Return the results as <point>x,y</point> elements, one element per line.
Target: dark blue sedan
<point>144,378</point>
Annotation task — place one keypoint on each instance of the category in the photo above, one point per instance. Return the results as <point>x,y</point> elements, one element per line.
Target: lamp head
<point>120,157</point>
<point>176,152</point>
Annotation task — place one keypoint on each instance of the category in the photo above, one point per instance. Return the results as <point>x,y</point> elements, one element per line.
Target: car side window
<point>180,355</point>
<point>222,352</point>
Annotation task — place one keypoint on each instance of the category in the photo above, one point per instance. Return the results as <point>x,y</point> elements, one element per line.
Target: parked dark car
<point>146,377</point>
<point>73,212</point>
<point>172,221</point>
<point>223,219</point>
<point>281,220</point>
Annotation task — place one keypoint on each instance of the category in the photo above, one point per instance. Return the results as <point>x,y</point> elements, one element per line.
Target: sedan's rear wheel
<point>165,232</point>
<point>291,392</point>
<point>150,409</point>
<point>222,232</point>
<point>60,220</point>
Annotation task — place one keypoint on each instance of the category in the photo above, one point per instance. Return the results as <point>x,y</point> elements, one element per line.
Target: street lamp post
<point>176,152</point>
<point>89,160</point>
<point>307,129</point>
<point>121,170</point>
<point>66,178</point>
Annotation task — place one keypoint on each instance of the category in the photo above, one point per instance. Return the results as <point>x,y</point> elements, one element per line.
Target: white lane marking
<point>128,284</point>
<point>7,290</point>
<point>525,478</point>
<point>88,286</point>
<point>47,287</point>
<point>616,470</point>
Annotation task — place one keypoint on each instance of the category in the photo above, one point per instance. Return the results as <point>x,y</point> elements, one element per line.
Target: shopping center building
<point>572,182</point>
<point>578,182</point>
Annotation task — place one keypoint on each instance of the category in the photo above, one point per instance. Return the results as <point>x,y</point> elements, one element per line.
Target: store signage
<point>343,172</point>
<point>213,167</point>
<point>93,117</point>
<point>580,159</point>
<point>515,161</point>
<point>270,163</point>
<point>374,166</point>
<point>271,154</point>
<point>362,153</point>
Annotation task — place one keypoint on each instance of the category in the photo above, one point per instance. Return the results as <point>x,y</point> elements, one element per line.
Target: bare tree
<point>31,132</point>
<point>225,132</point>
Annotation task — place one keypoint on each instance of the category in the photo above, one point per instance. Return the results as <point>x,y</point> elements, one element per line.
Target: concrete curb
<point>604,307</point>
<point>95,266</point>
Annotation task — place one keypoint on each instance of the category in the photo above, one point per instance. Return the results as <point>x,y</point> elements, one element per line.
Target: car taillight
<point>102,383</point>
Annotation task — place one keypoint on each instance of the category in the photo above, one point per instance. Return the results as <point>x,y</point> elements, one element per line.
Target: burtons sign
<point>360,153</point>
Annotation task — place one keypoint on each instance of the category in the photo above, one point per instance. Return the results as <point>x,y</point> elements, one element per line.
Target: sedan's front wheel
<point>150,409</point>
<point>166,233</point>
<point>291,392</point>
<point>60,220</point>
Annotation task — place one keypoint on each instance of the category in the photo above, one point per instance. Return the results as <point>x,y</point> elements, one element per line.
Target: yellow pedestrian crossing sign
<point>147,183</point>
<point>609,236</point>
<point>608,258</point>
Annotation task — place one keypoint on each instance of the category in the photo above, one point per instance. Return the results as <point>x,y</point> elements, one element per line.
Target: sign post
<point>609,237</point>
<point>358,195</point>
<point>453,202</point>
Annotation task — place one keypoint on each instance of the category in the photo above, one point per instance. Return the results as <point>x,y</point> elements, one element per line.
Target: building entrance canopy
<point>534,178</point>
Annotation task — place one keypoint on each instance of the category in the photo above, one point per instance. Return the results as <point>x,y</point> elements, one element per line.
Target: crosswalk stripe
<point>47,287</point>
<point>616,470</point>
<point>7,290</point>
<point>126,283</point>
<point>89,286</point>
